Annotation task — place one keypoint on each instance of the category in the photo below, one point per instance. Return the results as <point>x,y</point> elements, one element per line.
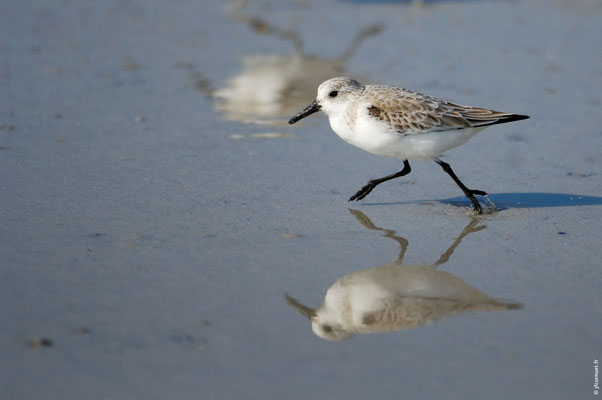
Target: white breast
<point>377,137</point>
<point>366,133</point>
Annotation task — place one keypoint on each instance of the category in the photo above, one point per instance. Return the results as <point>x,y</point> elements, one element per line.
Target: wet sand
<point>156,206</point>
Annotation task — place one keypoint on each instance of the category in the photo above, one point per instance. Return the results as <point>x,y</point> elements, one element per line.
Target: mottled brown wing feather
<point>410,312</point>
<point>411,112</point>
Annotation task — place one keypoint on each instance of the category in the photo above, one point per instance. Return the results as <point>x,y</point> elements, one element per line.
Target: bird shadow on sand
<point>504,201</point>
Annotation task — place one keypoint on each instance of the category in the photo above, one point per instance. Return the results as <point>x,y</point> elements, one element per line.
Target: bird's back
<point>412,112</point>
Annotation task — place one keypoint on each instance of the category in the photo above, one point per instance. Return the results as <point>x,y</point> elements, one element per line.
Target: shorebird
<point>396,296</point>
<point>395,122</point>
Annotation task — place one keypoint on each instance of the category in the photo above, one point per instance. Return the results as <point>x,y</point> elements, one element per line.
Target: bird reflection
<point>270,87</point>
<point>396,296</point>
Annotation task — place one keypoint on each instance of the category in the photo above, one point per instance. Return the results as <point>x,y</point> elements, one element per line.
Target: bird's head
<point>323,323</point>
<point>333,97</point>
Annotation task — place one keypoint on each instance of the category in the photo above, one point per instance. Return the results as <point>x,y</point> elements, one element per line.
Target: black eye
<point>333,93</point>
<point>327,328</point>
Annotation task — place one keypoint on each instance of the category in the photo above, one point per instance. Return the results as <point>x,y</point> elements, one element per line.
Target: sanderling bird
<point>392,298</point>
<point>395,122</point>
<point>396,296</point>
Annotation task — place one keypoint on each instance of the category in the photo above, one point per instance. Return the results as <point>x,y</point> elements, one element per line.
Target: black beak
<point>310,109</point>
<point>307,312</point>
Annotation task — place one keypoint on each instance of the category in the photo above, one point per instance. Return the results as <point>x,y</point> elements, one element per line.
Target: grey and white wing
<point>410,112</point>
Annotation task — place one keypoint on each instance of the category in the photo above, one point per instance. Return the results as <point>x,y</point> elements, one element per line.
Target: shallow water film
<point>166,234</point>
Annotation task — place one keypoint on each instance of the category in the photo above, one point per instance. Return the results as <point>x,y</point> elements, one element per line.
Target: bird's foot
<point>477,206</point>
<point>364,191</point>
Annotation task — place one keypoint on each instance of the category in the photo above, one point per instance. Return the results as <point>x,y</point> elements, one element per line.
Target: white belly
<point>379,138</point>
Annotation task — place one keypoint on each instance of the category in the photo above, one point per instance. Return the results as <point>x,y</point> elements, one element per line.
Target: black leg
<point>468,192</point>
<point>364,191</point>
